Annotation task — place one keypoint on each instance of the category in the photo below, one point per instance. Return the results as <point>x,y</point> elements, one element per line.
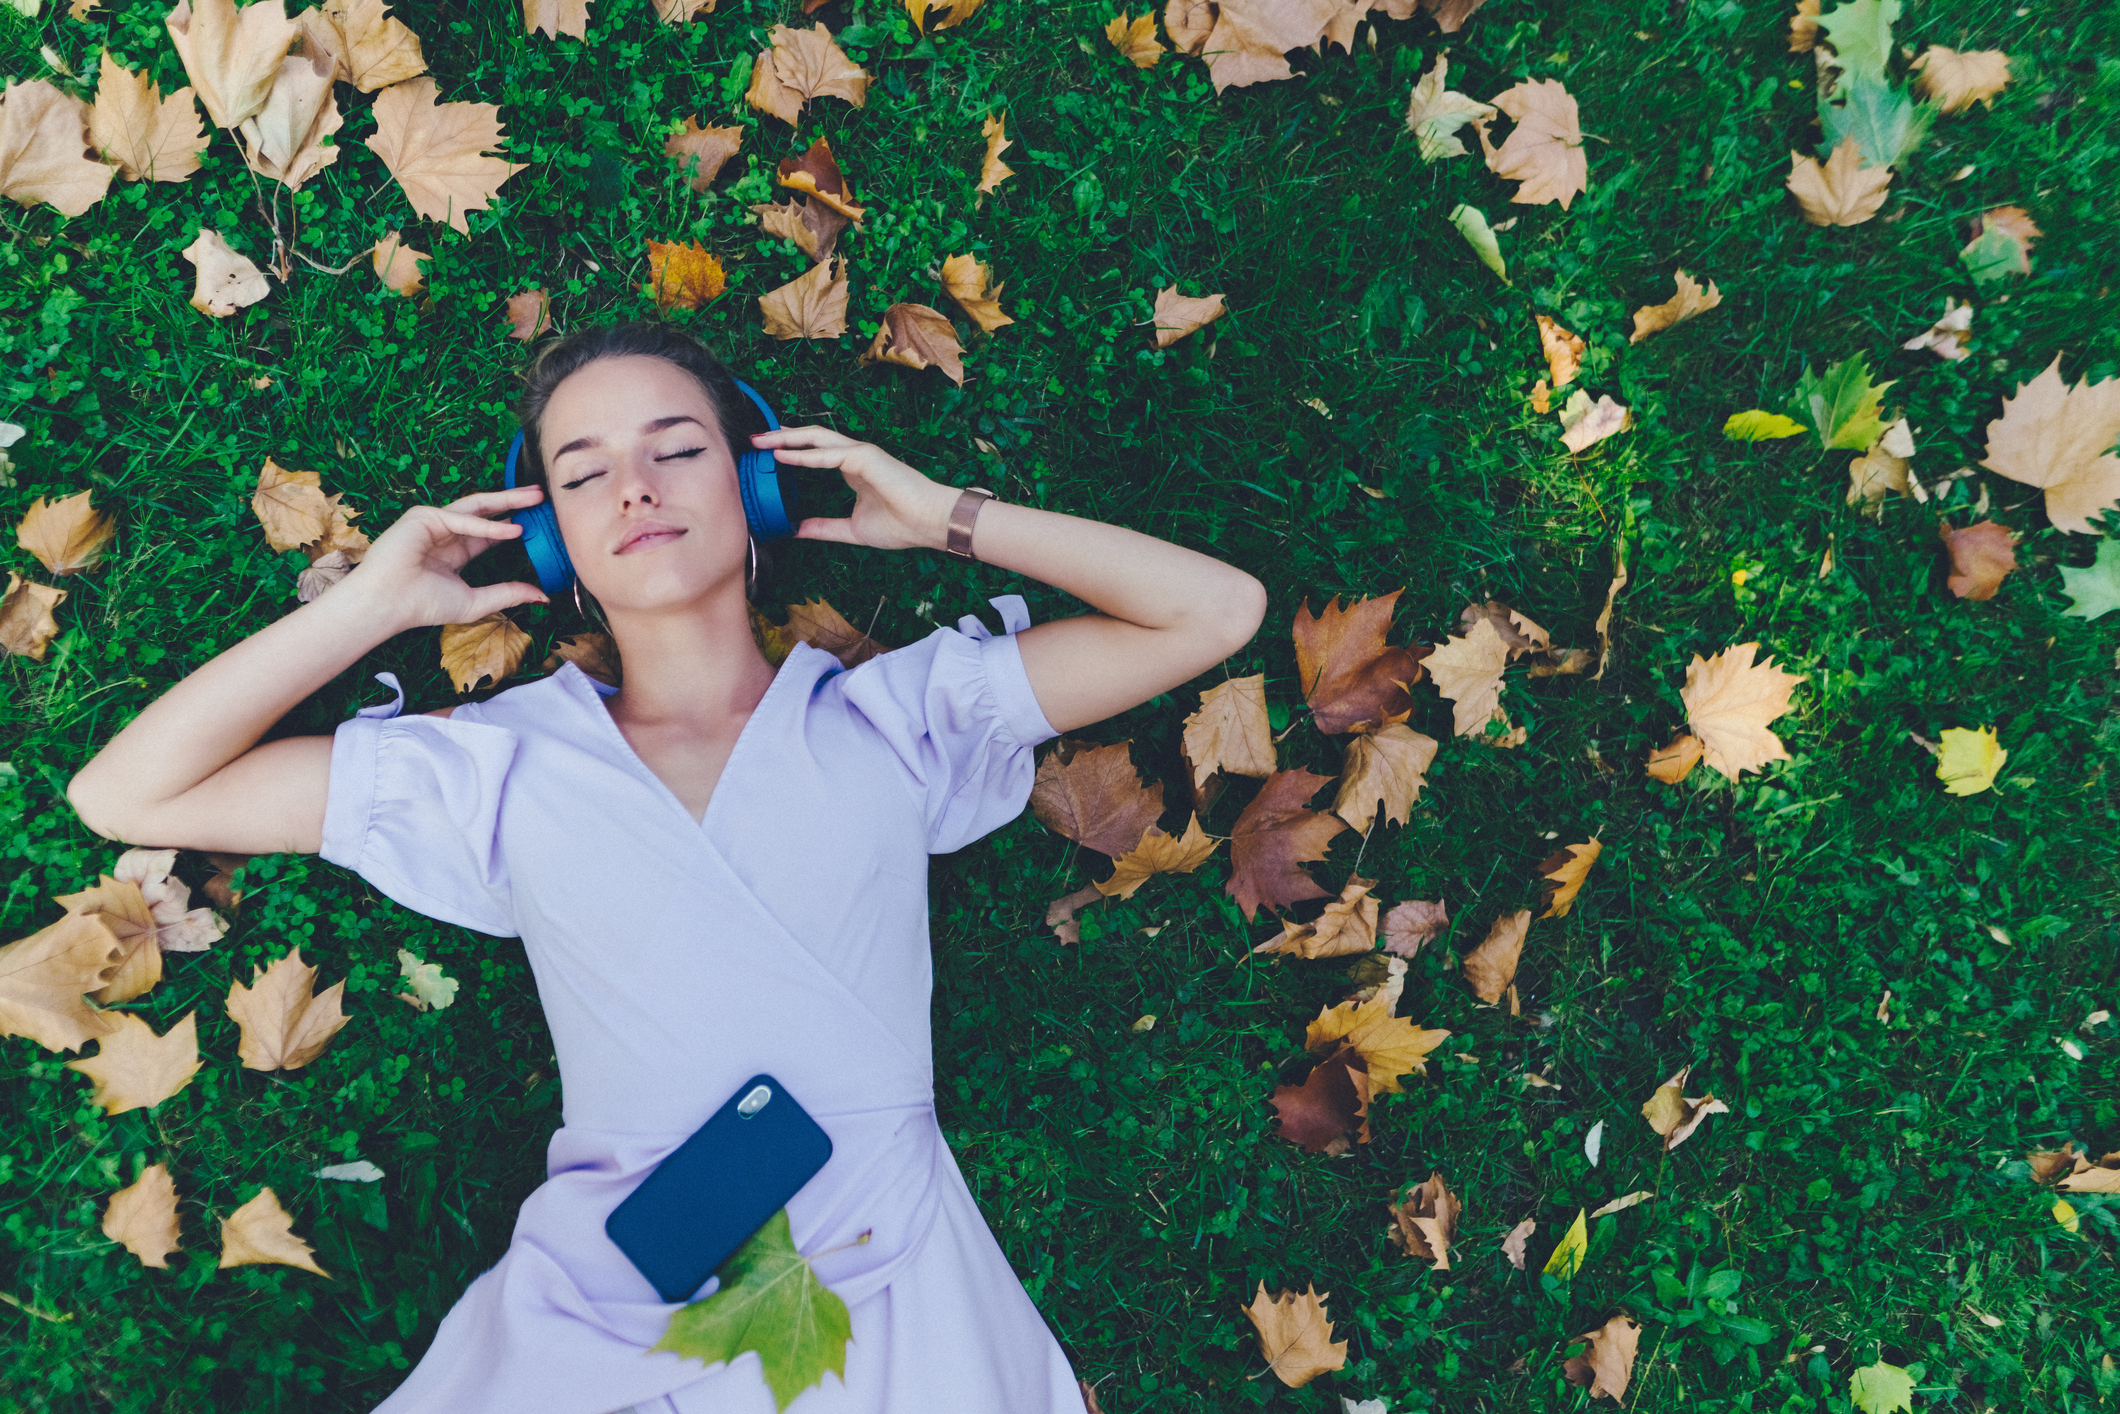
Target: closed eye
<point>673,456</point>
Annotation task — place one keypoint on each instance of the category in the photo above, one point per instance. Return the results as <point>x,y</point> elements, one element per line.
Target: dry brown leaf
<point>178,927</point>
<point>817,623</point>
<point>1564,872</point>
<point>220,886</point>
<point>1060,916</point>
<point>262,1231</point>
<point>1412,924</point>
<point>594,653</point>
<point>1188,23</point>
<point>2087,1177</point>
<point>1135,39</point>
<point>1352,681</point>
<point>1388,1046</point>
<point>1348,925</point>
<point>1158,853</point>
<point>149,137</point>
<point>323,572</point>
<point>1513,1245</point>
<point>488,648</point>
<point>1424,1221</point>
<point>1607,1362</point>
<point>1803,27</point>
<point>677,12</point>
<point>1092,795</point>
<point>2060,438</point>
<point>1468,671</point>
<point>398,265</point>
<point>964,279</point>
<point>372,50</point>
<point>284,139</point>
<point>2049,1164</point>
<point>26,623</point>
<point>433,149</point>
<point>682,275</point>
<point>1434,113</point>
<point>1450,15</point>
<point>339,535</point>
<point>1604,617</point>
<point>918,336</point>
<point>68,536</point>
<point>954,12</point>
<point>1544,150</point>
<point>992,170</point>
<point>1230,732</point>
<point>816,174</point>
<point>802,65</point>
<point>45,976</point>
<point>291,506</point>
<point>122,904</point>
<point>712,147</point>
<point>812,225</point>
<point>1328,1112</point>
<point>1517,630</point>
<point>1272,839</point>
<point>1981,555</point>
<point>1251,37</point>
<point>226,281</point>
<point>557,17</point>
<point>135,1069</point>
<point>285,1025</point>
<point>1584,424</point>
<point>232,56</point>
<point>1563,351</point>
<point>1491,967</point>
<point>1389,765</point>
<point>1674,1114</point>
<point>528,314</point>
<point>1729,702</point>
<point>2012,222</point>
<point>1374,976</point>
<point>1883,468</point>
<point>44,139</point>
<point>1959,80</point>
<point>1622,1203</point>
<point>1295,1335</point>
<point>1841,193</point>
<point>810,306</point>
<point>142,1218</point>
<point>1177,315</point>
<point>1950,337</point>
<point>1689,301</point>
<point>1672,764</point>
<point>82,9</point>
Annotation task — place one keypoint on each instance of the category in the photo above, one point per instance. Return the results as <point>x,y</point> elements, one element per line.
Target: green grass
<point>1867,1183</point>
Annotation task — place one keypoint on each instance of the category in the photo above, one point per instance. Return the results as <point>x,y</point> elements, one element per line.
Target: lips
<point>648,536</point>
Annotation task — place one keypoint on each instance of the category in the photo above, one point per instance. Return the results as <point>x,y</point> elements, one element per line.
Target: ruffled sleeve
<point>958,712</point>
<point>413,807</point>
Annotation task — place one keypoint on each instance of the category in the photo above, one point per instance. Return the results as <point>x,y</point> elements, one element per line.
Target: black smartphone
<point>706,1199</point>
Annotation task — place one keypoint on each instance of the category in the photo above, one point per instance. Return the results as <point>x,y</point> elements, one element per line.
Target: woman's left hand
<point>895,507</point>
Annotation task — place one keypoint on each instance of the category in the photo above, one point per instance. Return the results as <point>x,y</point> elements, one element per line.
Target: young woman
<point>717,869</point>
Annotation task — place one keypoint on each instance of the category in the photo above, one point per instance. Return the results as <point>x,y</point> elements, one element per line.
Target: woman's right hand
<point>412,571</point>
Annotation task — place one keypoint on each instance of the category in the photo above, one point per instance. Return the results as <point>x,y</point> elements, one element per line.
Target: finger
<point>809,435</point>
<point>492,598</point>
<point>822,528</point>
<point>464,523</point>
<point>814,456</point>
<point>484,502</point>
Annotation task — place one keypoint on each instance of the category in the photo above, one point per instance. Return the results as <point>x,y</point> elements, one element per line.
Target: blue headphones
<point>768,506</point>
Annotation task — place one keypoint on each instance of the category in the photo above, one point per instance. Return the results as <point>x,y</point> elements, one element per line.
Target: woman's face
<point>632,443</point>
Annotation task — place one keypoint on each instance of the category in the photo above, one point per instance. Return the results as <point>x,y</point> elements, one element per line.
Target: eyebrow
<point>580,444</point>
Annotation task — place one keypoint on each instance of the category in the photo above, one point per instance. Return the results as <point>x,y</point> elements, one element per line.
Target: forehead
<point>617,395</point>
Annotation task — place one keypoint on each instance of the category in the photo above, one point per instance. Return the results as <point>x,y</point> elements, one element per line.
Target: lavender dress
<point>787,932</point>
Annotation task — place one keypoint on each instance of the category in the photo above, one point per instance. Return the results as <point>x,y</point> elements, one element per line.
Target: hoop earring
<point>750,579</point>
<point>599,620</point>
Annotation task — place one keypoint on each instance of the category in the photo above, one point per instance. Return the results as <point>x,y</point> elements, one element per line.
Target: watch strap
<point>962,517</point>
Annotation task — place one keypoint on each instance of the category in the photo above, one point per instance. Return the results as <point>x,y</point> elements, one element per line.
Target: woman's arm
<point>188,772</point>
<point>1167,613</point>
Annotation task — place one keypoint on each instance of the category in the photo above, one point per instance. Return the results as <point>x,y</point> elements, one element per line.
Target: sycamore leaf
<point>1295,1335</point>
<point>44,136</point>
<point>1348,925</point>
<point>1841,193</point>
<point>1188,23</point>
<point>226,281</point>
<point>1607,1362</point>
<point>810,306</point>
<point>397,265</point>
<point>1230,731</point>
<point>594,653</point>
<point>2060,438</point>
<point>965,280</point>
<point>284,139</point>
<point>1674,1114</point>
<point>1843,407</point>
<point>1135,39</point>
<point>1413,923</point>
<point>1689,301</point>
<point>770,1301</point>
<point>1881,1389</point>
<point>678,12</point>
<point>1491,967</point>
<point>1158,853</point>
<point>918,336</point>
<point>1177,315</point>
<point>1567,1258</point>
<point>26,623</point>
<point>813,226</point>
<point>2084,1176</point>
<point>1424,1221</point>
<point>1389,767</point>
<point>488,648</point>
<point>1271,840</point>
<point>528,314</point>
<point>262,1231</point>
<point>434,150</point>
<point>1883,468</point>
<point>1471,223</point>
<point>1883,121</point>
<point>431,987</point>
<point>373,50</point>
<point>285,1024</point>
<point>1803,27</point>
<point>817,623</point>
<point>1967,759</point>
<point>149,137</point>
<point>2095,589</point>
<point>1603,626</point>
<point>1957,81</point>
<point>2001,245</point>
<point>232,56</point>
<point>1584,424</point>
<point>1091,795</point>
<point>682,275</point>
<point>1624,1201</point>
<point>1729,702</point>
<point>954,12</point>
<point>1563,351</point>
<point>1672,764</point>
<point>142,1218</point>
<point>802,65</point>
<point>992,170</point>
<point>68,536</point>
<point>1519,1237</point>
<point>1374,975</point>
<point>1564,872</point>
<point>1434,113</point>
<point>135,1069</point>
<point>43,979</point>
<point>1950,337</point>
<point>123,905</point>
<point>557,17</point>
<point>1450,15</point>
<point>1861,35</point>
<point>1545,149</point>
<point>1351,679</point>
<point>1517,630</point>
<point>1468,671</point>
<point>816,174</point>
<point>699,153</point>
<point>1758,426</point>
<point>1250,38</point>
<point>1981,555</point>
<point>290,505</point>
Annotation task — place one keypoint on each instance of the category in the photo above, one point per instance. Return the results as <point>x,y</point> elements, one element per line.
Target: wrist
<point>935,516</point>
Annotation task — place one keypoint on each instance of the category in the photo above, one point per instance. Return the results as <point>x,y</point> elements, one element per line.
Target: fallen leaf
<point>1545,149</point>
<point>1091,795</point>
<point>1882,468</point>
<point>488,648</point>
<point>135,1069</point>
<point>1295,1335</point>
<point>68,536</point>
<point>964,279</point>
<point>1603,625</point>
<point>1689,301</point>
<point>678,12</point>
<point>2064,1213</point>
<point>122,904</point>
<point>398,265</point>
<point>2092,591</point>
<point>1352,680</point>
<point>954,12</point>
<point>1135,39</point>
<point>1230,731</point>
<point>1450,15</point>
<point>1468,671</point>
<point>1729,702</point>
<point>1803,27</point>
<point>682,275</point>
<point>1607,1362</point>
<point>284,1024</point>
<point>2001,245</point>
<point>1387,767</point>
<point>918,336</point>
<point>1250,38</point>
<point>1957,81</point>
<point>1060,915</point>
<point>262,1231</point>
<point>1567,1257</point>
<point>1413,923</point>
<point>2060,438</point>
<point>813,226</point>
<point>372,50</point>
<point>1672,764</point>
<point>992,170</point>
<point>1348,925</point>
<point>1563,351</point>
<point>1434,113</point>
<point>699,153</point>
<point>226,281</point>
<point>816,174</point>
<point>1471,223</point>
<point>142,1218</point>
<point>291,506</point>
<point>528,314</point>
<point>1158,853</point>
<point>149,137</point>
<point>1374,975</point>
<point>1949,337</point>
<point>1388,1046</point>
<point>1424,1221</point>
<point>818,624</point>
<point>1188,23</point>
<point>1981,555</point>
<point>1758,426</point>
<point>1329,1106</point>
<point>284,140</point>
<point>43,979</point>
<point>232,56</point>
<point>1177,315</point>
<point>1564,872</point>
<point>1841,193</point>
<point>769,1301</point>
<point>1513,1244</point>
<point>1674,1114</point>
<point>594,653</point>
<point>810,306</point>
<point>801,65</point>
<point>1271,840</point>
<point>434,150</point>
<point>26,623</point>
<point>1541,398</point>
<point>557,17</point>
<point>1584,423</point>
<point>1881,1389</point>
<point>1491,967</point>
<point>1967,759</point>
<point>2084,1176</point>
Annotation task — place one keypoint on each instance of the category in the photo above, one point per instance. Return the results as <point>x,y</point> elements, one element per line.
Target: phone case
<point>717,1188</point>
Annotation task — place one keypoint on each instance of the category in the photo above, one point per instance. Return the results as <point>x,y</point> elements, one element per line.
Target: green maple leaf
<point>1881,1389</point>
<point>770,1301</point>
<point>2094,590</point>
<point>1757,426</point>
<point>1471,223</point>
<point>1994,256</point>
<point>1861,36</point>
<point>1885,123</point>
<point>1844,408</point>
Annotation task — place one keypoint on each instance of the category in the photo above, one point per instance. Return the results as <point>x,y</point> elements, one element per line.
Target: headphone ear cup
<point>547,551</point>
<point>767,500</point>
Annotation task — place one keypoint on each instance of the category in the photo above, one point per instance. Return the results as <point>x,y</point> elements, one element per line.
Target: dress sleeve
<point>413,807</point>
<point>959,713</point>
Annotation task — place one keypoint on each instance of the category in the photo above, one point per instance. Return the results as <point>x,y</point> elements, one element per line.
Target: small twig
<point>40,1315</point>
<point>329,269</point>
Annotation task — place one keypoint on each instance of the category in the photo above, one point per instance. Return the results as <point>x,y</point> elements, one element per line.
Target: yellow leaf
<point>1967,760</point>
<point>1729,701</point>
<point>965,280</point>
<point>1675,1115</point>
<point>1491,967</point>
<point>1841,193</point>
<point>135,1069</point>
<point>435,151</point>
<point>285,1024</point>
<point>1758,426</point>
<point>1136,39</point>
<point>993,171</point>
<point>1689,301</point>
<point>68,535</point>
<point>142,1218</point>
<point>2065,1214</point>
<point>1348,925</point>
<point>1567,1258</point>
<point>262,1231</point>
<point>491,647</point>
<point>1564,873</point>
<point>1158,853</point>
<point>1295,1334</point>
<point>1390,1046</point>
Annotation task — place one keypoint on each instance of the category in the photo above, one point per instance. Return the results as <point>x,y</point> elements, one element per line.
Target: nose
<point>637,481</point>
